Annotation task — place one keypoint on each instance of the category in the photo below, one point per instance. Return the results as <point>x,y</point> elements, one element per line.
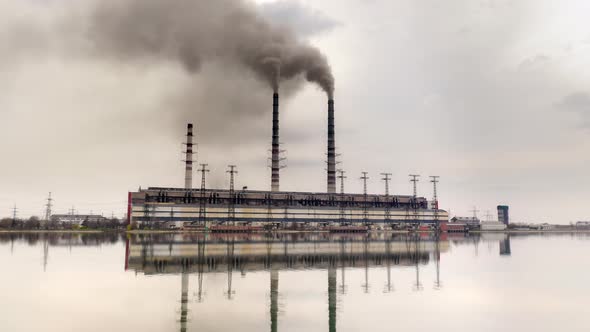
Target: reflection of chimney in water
<point>275,159</point>
<point>331,149</point>
<point>274,299</point>
<point>332,298</point>
<point>184,302</point>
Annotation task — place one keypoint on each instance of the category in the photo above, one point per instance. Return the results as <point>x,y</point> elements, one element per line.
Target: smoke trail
<point>195,31</point>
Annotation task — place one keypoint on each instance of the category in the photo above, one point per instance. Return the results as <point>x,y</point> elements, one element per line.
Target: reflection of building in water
<point>505,246</point>
<point>184,254</point>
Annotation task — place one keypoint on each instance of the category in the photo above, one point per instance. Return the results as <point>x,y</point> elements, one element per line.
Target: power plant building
<point>205,206</point>
<point>503,215</point>
<point>249,206</point>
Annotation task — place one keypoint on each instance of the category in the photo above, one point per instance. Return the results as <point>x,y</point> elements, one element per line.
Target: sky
<point>492,96</point>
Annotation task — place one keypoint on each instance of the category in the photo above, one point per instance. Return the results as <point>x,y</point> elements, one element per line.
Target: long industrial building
<point>248,206</point>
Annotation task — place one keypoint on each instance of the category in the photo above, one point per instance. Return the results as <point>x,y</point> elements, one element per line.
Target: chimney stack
<point>331,149</point>
<point>188,174</point>
<point>275,158</point>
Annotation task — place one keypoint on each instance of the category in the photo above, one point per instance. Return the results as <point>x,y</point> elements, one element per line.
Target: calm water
<point>311,282</point>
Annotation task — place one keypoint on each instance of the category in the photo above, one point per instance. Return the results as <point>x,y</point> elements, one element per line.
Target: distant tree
<point>6,223</point>
<point>114,223</point>
<point>32,223</point>
<point>53,223</point>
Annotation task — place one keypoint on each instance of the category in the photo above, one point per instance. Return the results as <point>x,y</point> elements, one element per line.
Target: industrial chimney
<point>331,149</point>
<point>188,171</point>
<point>275,159</point>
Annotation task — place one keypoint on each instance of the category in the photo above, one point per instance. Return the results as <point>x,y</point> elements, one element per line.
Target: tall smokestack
<point>275,159</point>
<point>188,170</point>
<point>331,149</point>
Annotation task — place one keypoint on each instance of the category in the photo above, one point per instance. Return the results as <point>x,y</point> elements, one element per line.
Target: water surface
<point>305,282</point>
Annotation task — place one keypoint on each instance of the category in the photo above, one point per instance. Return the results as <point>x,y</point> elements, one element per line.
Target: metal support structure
<point>387,178</point>
<point>434,180</point>
<point>414,178</point>
<point>203,200</point>
<point>14,214</point>
<point>231,212</point>
<point>475,211</point>
<point>365,205</point>
<point>341,176</point>
<point>48,207</point>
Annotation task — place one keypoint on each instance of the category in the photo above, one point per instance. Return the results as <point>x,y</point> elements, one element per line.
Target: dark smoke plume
<point>193,32</point>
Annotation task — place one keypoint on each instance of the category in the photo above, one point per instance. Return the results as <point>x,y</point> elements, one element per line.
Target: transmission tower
<point>434,180</point>
<point>203,201</point>
<point>14,213</point>
<point>414,178</point>
<point>365,207</point>
<point>475,211</point>
<point>386,178</point>
<point>341,176</point>
<point>231,213</point>
<point>48,207</point>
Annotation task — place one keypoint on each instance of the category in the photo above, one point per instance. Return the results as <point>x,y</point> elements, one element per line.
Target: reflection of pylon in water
<point>201,260</point>
<point>342,258</point>
<point>45,253</point>
<point>388,286</point>
<point>230,265</point>
<point>418,285</point>
<point>437,282</point>
<point>366,258</point>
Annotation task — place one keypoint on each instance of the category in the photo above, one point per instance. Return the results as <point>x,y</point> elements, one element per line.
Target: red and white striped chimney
<point>188,170</point>
<point>275,157</point>
<point>331,149</point>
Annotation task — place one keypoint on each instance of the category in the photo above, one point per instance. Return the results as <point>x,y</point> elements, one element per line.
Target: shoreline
<point>98,231</point>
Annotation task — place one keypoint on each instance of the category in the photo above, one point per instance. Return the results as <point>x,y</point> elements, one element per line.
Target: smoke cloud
<point>193,32</point>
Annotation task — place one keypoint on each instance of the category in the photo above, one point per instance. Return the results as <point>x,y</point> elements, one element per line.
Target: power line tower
<point>475,211</point>
<point>14,214</point>
<point>203,200</point>
<point>386,178</point>
<point>434,180</point>
<point>231,212</point>
<point>341,177</point>
<point>365,207</point>
<point>414,178</point>
<point>48,207</point>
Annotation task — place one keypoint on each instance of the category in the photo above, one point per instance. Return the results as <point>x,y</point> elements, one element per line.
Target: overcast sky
<point>492,95</point>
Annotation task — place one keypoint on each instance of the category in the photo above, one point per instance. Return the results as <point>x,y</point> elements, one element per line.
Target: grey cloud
<point>532,62</point>
<point>302,19</point>
<point>578,102</point>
